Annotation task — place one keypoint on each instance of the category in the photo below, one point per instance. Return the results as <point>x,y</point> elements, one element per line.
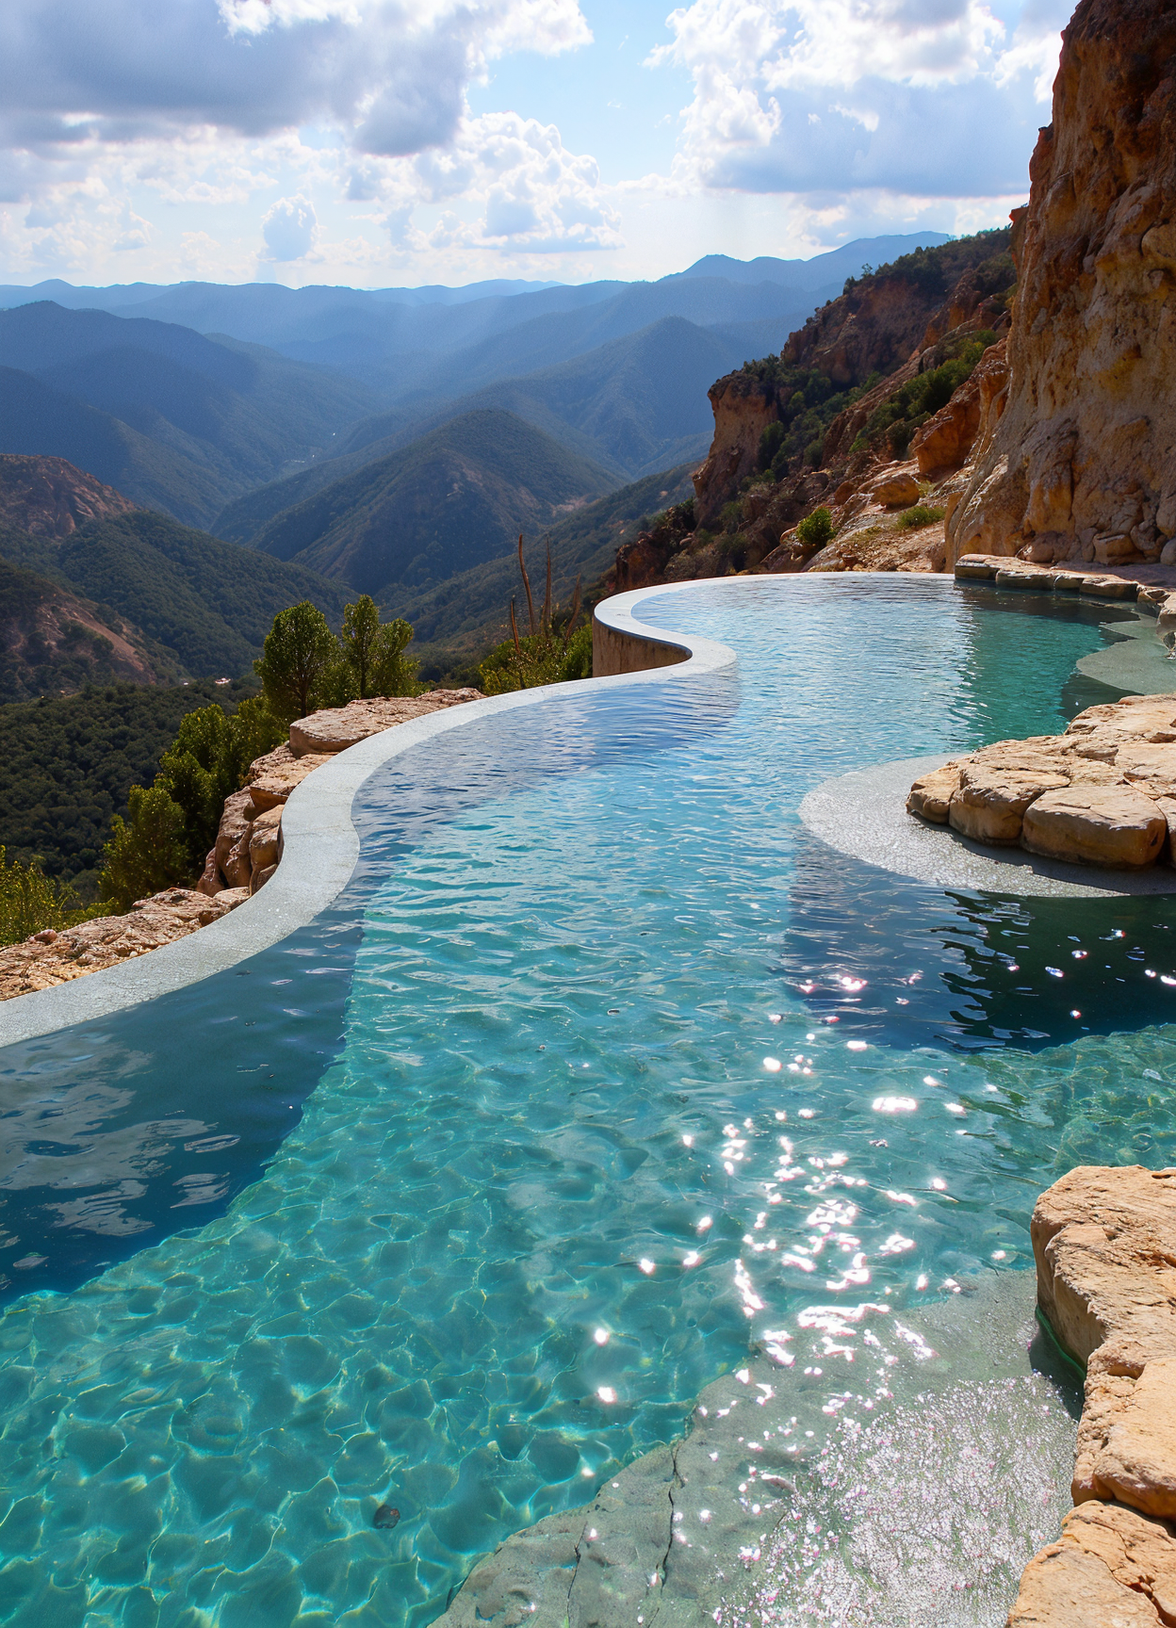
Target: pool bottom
<point>920,1492</point>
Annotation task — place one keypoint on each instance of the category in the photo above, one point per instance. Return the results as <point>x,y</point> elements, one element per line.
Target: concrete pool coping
<point>321,844</point>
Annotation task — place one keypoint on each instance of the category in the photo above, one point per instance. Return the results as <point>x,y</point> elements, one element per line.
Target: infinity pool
<point>601,1073</point>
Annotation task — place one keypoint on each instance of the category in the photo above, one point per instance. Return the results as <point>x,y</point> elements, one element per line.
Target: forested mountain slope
<point>454,499</point>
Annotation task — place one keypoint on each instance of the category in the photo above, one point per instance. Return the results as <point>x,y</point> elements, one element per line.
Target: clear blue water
<point>601,1070</point>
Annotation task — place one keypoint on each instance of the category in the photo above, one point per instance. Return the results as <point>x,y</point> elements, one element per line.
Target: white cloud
<point>927,97</point>
<point>290,229</point>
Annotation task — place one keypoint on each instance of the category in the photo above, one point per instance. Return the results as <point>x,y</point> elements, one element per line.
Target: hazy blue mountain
<point>394,339</point>
<point>457,497</point>
<point>35,418</point>
<point>236,412</point>
<point>833,267</point>
<point>633,405</point>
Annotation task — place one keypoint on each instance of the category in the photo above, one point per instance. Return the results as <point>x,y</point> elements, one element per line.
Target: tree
<point>360,638</point>
<point>394,673</point>
<point>298,659</point>
<point>147,851</point>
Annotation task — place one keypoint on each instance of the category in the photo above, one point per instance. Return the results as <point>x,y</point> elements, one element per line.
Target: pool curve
<point>600,1067</point>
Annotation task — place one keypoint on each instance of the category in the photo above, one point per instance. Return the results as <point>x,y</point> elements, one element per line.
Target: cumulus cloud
<point>390,75</point>
<point>926,97</point>
<point>522,191</point>
<point>290,229</point>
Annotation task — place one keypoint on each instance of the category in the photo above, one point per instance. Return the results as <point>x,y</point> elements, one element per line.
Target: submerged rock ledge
<point>1105,1245</point>
<point>1103,793</point>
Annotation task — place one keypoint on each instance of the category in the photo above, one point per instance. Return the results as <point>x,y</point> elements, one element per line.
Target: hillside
<point>50,497</point>
<point>66,766</point>
<point>454,499</point>
<point>636,406</point>
<point>458,620</point>
<point>36,419</point>
<point>205,604</point>
<point>53,643</point>
<point>176,420</point>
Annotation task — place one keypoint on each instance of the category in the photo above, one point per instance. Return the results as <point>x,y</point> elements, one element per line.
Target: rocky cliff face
<point>50,498</point>
<point>1079,456</point>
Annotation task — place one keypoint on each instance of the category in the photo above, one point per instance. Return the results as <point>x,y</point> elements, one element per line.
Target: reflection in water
<point>904,964</point>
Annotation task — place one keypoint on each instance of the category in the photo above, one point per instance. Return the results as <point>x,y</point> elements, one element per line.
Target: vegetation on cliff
<point>67,764</point>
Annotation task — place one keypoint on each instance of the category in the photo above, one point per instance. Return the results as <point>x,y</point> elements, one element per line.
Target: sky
<point>375,143</point>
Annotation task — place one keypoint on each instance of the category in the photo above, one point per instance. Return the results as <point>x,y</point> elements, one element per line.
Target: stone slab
<point>863,814</point>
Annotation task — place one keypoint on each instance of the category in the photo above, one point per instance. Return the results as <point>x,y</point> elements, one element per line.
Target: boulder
<point>265,840</point>
<point>336,728</point>
<point>1114,550</point>
<point>974,568</point>
<point>931,794</point>
<point>280,775</point>
<point>1116,826</point>
<point>211,882</point>
<point>897,491</point>
<point>991,802</point>
<point>236,818</point>
<point>1111,1568</point>
<point>261,877</point>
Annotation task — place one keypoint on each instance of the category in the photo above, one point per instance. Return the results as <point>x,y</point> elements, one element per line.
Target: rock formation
<point>1104,793</point>
<point>1080,448</point>
<point>49,497</point>
<point>1105,1245</point>
<point>50,957</point>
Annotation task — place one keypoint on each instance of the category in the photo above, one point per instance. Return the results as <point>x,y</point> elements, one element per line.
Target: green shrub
<point>30,901</point>
<point>373,658</point>
<point>147,851</point>
<point>816,529</point>
<point>922,514</point>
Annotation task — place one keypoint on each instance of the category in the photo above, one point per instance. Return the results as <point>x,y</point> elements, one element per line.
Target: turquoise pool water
<point>601,1071</point>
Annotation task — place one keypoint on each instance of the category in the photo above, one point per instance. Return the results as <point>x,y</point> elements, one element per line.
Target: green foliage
<point>807,402</point>
<point>67,763</point>
<point>298,660</point>
<point>554,652</point>
<point>30,901</point>
<point>147,852</point>
<point>172,824</point>
<point>816,529</point>
<point>203,605</point>
<point>914,402</point>
<point>393,672</point>
<point>921,514</point>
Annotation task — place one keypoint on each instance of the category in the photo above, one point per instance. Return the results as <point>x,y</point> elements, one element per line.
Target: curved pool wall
<point>600,1067</point>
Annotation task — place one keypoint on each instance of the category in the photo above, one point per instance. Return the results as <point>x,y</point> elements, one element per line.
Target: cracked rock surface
<point>792,1498</point>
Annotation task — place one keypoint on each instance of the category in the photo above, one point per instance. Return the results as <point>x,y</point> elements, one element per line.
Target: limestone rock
<point>45,960</point>
<point>1111,1568</point>
<point>1105,1244</point>
<point>945,440</point>
<point>211,881</point>
<point>238,814</point>
<point>272,778</point>
<point>1082,447</point>
<point>897,491</point>
<point>1096,825</point>
<point>265,840</point>
<point>931,794</point>
<point>336,728</point>
<point>991,801</point>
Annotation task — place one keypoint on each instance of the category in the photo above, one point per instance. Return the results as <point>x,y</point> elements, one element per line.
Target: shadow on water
<point>905,965</point>
<point>121,1131</point>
